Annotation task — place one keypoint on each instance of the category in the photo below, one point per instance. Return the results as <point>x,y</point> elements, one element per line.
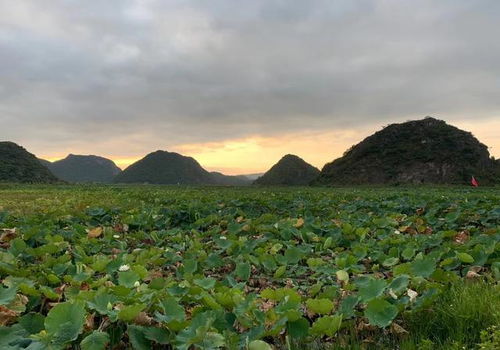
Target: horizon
<point>237,84</point>
<point>260,144</point>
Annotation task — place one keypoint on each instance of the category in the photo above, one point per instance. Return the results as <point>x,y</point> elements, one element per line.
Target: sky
<point>237,84</point>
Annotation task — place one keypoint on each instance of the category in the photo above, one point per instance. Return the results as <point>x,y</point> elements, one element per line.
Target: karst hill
<point>18,165</point>
<point>289,170</point>
<point>414,152</point>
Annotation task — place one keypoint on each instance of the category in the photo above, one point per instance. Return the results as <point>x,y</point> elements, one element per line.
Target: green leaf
<point>342,275</point>
<point>11,335</point>
<point>298,329</point>
<point>328,243</point>
<point>64,322</point>
<point>101,301</point>
<point>326,325</point>
<point>138,338</point>
<point>390,262</point>
<point>172,311</point>
<point>205,283</point>
<point>399,283</point>
<point>465,258</point>
<point>32,323</point>
<point>348,304</point>
<point>129,313</point>
<point>158,335</point>
<point>408,253</point>
<point>320,306</point>
<point>423,267</point>
<point>280,272</point>
<point>371,289</point>
<point>380,312</point>
<point>17,246</point>
<point>190,266</point>
<point>200,333</point>
<point>7,295</point>
<point>242,271</point>
<point>127,278</point>
<point>293,255</point>
<point>259,345</point>
<point>95,341</point>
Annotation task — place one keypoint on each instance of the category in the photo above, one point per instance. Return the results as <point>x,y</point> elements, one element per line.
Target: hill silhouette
<point>414,152</point>
<point>290,170</point>
<point>18,165</point>
<point>84,168</point>
<point>162,167</point>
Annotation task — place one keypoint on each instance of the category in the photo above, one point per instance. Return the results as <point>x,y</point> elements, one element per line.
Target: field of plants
<point>151,267</point>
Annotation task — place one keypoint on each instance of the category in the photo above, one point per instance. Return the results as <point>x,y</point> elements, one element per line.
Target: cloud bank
<point>124,78</point>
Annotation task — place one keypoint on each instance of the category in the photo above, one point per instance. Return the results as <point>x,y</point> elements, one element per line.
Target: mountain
<point>18,165</point>
<point>253,177</point>
<point>290,170</point>
<point>230,180</point>
<point>420,151</point>
<point>83,168</point>
<point>162,167</point>
<point>45,163</point>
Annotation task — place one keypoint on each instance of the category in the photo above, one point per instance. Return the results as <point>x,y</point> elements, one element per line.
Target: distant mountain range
<point>232,180</point>
<point>290,170</point>
<point>414,152</point>
<point>253,177</point>
<point>18,165</point>
<point>80,168</point>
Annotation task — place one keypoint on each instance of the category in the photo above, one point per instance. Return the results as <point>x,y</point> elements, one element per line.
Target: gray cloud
<point>160,73</point>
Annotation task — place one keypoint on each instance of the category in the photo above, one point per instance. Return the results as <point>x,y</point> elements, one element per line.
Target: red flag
<point>474,182</point>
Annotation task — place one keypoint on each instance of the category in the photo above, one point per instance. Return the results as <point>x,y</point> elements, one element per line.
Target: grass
<point>462,317</point>
<point>458,316</point>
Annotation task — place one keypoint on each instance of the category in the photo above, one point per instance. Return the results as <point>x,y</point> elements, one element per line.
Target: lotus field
<point>151,267</point>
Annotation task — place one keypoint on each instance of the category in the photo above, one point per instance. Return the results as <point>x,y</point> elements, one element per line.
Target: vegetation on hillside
<point>290,170</point>
<point>18,165</point>
<point>83,168</point>
<point>163,167</point>
<point>421,151</point>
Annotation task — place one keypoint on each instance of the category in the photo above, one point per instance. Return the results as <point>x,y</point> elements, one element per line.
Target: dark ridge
<point>18,165</point>
<point>162,167</point>
<point>84,168</point>
<point>414,152</point>
<point>290,170</point>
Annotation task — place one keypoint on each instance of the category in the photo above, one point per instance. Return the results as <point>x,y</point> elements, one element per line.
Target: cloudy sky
<point>237,84</point>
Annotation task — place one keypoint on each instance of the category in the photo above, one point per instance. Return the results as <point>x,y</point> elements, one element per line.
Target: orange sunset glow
<point>256,154</point>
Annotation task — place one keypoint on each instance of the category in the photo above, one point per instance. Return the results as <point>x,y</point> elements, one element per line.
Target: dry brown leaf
<point>143,319</point>
<point>120,227</point>
<point>7,235</point>
<point>89,322</point>
<point>397,329</point>
<point>412,294</point>
<point>95,232</point>
<point>299,223</point>
<point>267,305</point>
<point>472,274</point>
<point>7,316</point>
<point>461,237</point>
